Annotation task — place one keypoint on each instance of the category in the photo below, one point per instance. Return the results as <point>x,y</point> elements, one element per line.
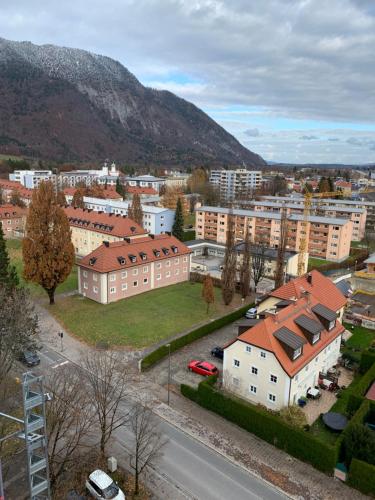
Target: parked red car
<point>203,368</point>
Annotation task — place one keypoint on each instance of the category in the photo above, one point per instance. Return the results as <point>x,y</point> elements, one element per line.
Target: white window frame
<point>251,387</point>
<point>185,259</point>
<point>248,349</point>
<point>273,376</point>
<point>158,277</point>
<point>168,263</point>
<point>135,283</point>
<point>85,285</point>
<point>158,265</point>
<point>168,274</point>
<point>95,289</point>
<point>145,269</point>
<point>236,363</point>
<point>135,272</point>
<point>271,398</point>
<point>84,274</point>
<point>112,277</point>
<point>176,272</point>
<point>124,274</point>
<point>112,289</point>
<point>124,286</point>
<point>176,261</point>
<point>262,355</point>
<point>94,277</point>
<point>256,370</point>
<point>145,281</point>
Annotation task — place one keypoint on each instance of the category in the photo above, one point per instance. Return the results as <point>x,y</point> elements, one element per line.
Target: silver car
<point>102,487</point>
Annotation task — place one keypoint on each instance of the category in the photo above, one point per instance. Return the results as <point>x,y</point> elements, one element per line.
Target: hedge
<point>365,382</point>
<point>362,476</point>
<point>367,360</point>
<point>162,351</point>
<point>266,426</point>
<point>356,254</point>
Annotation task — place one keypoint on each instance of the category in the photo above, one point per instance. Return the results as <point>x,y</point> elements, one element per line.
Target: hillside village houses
<point>278,360</point>
<point>8,187</point>
<point>90,229</point>
<point>13,220</point>
<point>328,237</point>
<point>121,269</point>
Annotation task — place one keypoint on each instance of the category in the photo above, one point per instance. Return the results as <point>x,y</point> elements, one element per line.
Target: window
<point>253,389</point>
<point>112,277</point>
<point>297,353</point>
<point>331,325</point>
<point>112,289</point>
<point>177,261</point>
<point>145,281</point>
<point>273,378</point>
<point>145,269</point>
<point>254,370</point>
<point>262,354</point>
<point>158,265</point>
<point>85,274</point>
<point>248,349</point>
<point>85,286</point>
<point>168,263</point>
<point>236,363</point>
<point>236,381</point>
<point>135,272</point>
<point>168,274</point>
<point>272,398</point>
<point>95,289</point>
<point>315,338</point>
<point>184,270</point>
<point>307,368</point>
<point>124,274</point>
<point>124,286</point>
<point>158,277</point>
<point>177,271</point>
<point>135,283</point>
<point>185,259</point>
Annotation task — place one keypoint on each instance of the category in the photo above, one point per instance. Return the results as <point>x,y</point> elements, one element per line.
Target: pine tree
<point>1,197</point>
<point>135,210</point>
<point>208,293</point>
<point>229,266</point>
<point>245,273</point>
<point>48,252</point>
<point>178,224</point>
<point>120,188</point>
<point>8,273</point>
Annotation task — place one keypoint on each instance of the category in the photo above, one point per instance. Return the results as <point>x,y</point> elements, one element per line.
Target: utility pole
<point>169,371</point>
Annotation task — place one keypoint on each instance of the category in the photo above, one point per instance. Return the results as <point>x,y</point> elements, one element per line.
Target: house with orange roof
<point>13,220</point>
<point>121,269</point>
<point>344,187</point>
<point>278,360</point>
<point>8,187</point>
<point>90,229</point>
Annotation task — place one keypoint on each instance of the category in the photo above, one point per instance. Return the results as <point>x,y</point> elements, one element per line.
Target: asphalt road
<point>200,472</point>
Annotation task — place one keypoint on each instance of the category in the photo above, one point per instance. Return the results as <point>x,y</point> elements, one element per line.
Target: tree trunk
<point>136,479</point>
<point>51,295</point>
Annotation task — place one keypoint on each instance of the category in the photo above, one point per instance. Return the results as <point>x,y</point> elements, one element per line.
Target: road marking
<point>60,364</point>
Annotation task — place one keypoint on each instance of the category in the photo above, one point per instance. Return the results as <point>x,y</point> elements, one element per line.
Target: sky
<point>292,80</point>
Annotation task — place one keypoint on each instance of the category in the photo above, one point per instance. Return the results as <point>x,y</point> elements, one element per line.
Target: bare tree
<point>245,271</point>
<point>258,267</point>
<point>70,416</point>
<point>148,440</point>
<point>108,383</point>
<point>280,262</point>
<point>229,266</point>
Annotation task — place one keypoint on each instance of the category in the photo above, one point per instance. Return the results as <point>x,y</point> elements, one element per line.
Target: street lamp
<point>355,266</point>
<point>169,369</point>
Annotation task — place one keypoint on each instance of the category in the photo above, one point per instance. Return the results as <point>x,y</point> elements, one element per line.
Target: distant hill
<point>68,104</point>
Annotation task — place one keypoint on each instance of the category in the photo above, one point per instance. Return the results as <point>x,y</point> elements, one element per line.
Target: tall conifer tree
<point>178,225</point>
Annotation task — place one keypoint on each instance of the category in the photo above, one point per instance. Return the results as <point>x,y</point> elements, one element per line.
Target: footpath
<point>295,478</point>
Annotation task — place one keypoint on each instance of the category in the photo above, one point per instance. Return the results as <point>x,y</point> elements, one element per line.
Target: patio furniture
<point>313,393</point>
<point>301,402</point>
<point>335,421</point>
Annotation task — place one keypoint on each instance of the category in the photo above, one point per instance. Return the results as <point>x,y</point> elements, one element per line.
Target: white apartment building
<point>146,181</point>
<point>105,175</point>
<point>32,178</point>
<point>233,183</point>
<point>156,220</point>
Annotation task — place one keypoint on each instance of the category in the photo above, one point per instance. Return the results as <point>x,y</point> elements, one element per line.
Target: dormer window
<point>165,251</point>
<point>156,252</point>
<point>132,258</point>
<point>315,338</point>
<point>297,353</point>
<point>174,249</point>
<point>143,256</point>
<point>92,261</point>
<point>121,260</point>
<point>331,325</point>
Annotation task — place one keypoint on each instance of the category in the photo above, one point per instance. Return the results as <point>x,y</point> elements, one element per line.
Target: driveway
<point>201,350</point>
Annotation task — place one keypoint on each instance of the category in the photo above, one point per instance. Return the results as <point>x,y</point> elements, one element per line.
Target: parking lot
<point>199,350</point>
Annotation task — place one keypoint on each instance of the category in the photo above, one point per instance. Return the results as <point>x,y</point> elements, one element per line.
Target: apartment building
<point>178,181</point>
<point>109,194</point>
<point>278,360</point>
<point>13,221</point>
<point>90,229</point>
<point>145,181</point>
<point>369,206</point>
<point>119,270</point>
<point>156,220</point>
<point>8,187</point>
<point>234,183</point>
<point>32,178</point>
<point>356,215</point>
<point>327,238</point>
<point>107,175</point>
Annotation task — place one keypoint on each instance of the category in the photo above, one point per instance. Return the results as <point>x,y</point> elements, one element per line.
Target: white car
<point>251,313</point>
<point>101,486</point>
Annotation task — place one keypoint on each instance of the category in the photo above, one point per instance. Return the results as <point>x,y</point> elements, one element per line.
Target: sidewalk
<point>295,478</point>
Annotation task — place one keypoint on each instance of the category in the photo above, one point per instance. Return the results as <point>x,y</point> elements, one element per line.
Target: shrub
<point>359,442</point>
<point>367,360</point>
<point>162,351</point>
<point>265,425</point>
<point>294,416</point>
<point>362,476</point>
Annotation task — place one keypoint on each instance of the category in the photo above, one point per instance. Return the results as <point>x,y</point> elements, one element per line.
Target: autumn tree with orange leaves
<point>48,252</point>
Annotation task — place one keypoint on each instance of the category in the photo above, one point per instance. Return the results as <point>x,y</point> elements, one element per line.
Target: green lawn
<point>141,320</point>
<point>189,219</point>
<point>314,262</point>
<point>15,254</point>
<point>320,431</point>
<point>361,338</point>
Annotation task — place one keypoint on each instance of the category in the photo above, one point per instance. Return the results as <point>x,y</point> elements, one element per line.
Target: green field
<point>15,253</point>
<point>141,320</point>
<point>315,262</point>
<point>361,338</point>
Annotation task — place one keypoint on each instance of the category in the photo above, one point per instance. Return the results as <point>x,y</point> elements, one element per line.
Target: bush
<point>362,476</point>
<point>367,360</point>
<point>354,402</point>
<point>365,382</point>
<point>294,416</point>
<point>162,351</point>
<point>356,254</point>
<point>359,442</point>
<point>263,424</point>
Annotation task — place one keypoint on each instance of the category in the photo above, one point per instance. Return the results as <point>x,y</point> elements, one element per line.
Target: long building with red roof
<point>8,187</point>
<point>13,220</point>
<point>295,340</point>
<point>121,269</point>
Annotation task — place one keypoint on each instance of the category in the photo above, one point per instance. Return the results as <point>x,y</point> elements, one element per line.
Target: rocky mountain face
<point>68,104</point>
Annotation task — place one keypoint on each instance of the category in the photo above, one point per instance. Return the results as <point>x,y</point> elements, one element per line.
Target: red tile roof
<point>111,224</point>
<point>16,186</point>
<point>140,190</point>
<point>371,392</point>
<point>11,212</point>
<point>262,334</point>
<point>320,287</point>
<point>108,193</point>
<point>343,184</point>
<point>108,258</point>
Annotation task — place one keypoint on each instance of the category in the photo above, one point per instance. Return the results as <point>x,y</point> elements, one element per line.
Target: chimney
<point>309,278</point>
<point>132,229</point>
<point>106,244</point>
<point>152,236</point>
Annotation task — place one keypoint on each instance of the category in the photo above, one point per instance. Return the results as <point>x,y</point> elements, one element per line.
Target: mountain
<point>69,104</point>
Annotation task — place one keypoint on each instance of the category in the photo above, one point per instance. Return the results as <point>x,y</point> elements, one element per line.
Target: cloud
<point>252,132</point>
<point>309,138</point>
<point>333,139</point>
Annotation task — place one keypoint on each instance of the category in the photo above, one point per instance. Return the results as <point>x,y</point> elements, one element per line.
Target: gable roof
<point>9,211</point>
<point>100,222</point>
<point>121,254</point>
<point>140,190</point>
<point>270,333</point>
<point>318,285</point>
<point>324,312</point>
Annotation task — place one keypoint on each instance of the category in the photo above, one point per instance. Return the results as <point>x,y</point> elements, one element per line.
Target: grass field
<point>141,320</point>
<point>361,338</point>
<point>315,262</point>
<point>15,253</point>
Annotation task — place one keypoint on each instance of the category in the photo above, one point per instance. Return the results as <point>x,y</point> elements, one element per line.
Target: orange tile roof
<point>107,193</point>
<point>16,186</point>
<point>320,287</point>
<point>9,211</point>
<point>343,184</point>
<point>262,334</point>
<point>107,257</point>
<point>140,190</point>
<point>116,225</point>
